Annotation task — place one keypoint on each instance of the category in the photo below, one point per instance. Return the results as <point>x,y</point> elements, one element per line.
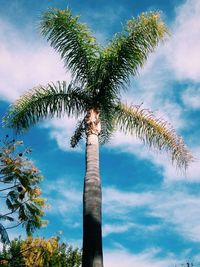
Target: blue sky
<point>150,210</point>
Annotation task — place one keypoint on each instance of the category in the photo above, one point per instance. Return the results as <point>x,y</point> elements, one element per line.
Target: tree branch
<point>9,213</point>
<point>11,227</point>
<point>9,187</point>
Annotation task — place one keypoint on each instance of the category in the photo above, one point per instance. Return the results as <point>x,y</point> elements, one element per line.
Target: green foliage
<point>39,252</point>
<point>129,49</point>
<point>19,189</point>
<point>72,40</point>
<point>10,256</point>
<point>98,75</point>
<point>42,102</point>
<point>78,134</point>
<point>154,132</point>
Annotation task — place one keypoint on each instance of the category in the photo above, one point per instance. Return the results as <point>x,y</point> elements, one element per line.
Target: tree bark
<point>92,218</point>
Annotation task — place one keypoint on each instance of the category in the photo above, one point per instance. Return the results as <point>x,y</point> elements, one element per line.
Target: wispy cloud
<point>62,130</point>
<point>183,51</point>
<point>117,228</point>
<point>162,160</point>
<point>191,97</point>
<point>180,210</point>
<point>147,258</point>
<point>64,197</point>
<point>156,88</point>
<point>176,209</point>
<point>176,60</point>
<point>117,202</point>
<point>25,64</point>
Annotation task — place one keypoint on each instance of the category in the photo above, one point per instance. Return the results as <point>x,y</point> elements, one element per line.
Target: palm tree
<point>93,97</point>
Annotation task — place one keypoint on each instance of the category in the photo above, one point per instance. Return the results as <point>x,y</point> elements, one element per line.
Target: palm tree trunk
<point>92,233</point>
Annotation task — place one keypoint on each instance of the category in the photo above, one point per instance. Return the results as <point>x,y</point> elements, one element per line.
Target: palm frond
<point>107,125</point>
<point>128,50</point>
<point>78,134</point>
<point>42,102</point>
<point>153,132</point>
<point>72,40</point>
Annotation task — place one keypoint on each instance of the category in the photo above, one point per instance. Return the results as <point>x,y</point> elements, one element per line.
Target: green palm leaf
<point>78,133</point>
<point>153,132</point>
<point>72,40</point>
<point>128,50</point>
<point>42,102</point>
<point>107,125</point>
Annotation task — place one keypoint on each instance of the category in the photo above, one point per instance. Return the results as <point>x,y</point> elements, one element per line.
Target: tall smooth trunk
<point>92,198</point>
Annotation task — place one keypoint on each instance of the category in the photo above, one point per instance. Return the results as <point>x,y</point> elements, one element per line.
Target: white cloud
<point>130,144</point>
<point>191,97</point>
<point>171,173</point>
<point>163,160</point>
<point>177,59</point>
<point>25,64</point>
<point>123,227</point>
<point>177,209</point>
<point>123,258</point>
<point>183,52</point>
<point>116,202</point>
<point>191,175</point>
<point>62,200</point>
<point>116,228</point>
<point>62,130</point>
<point>181,210</point>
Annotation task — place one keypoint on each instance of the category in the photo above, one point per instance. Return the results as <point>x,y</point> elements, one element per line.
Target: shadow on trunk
<point>92,256</point>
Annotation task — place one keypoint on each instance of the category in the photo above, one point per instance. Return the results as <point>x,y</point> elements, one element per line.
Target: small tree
<point>21,203</point>
<point>39,252</point>
<point>10,256</point>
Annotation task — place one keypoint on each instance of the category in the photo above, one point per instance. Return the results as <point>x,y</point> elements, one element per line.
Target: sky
<point>150,209</point>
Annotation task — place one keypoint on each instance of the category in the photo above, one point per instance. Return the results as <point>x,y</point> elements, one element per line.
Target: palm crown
<point>98,75</point>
